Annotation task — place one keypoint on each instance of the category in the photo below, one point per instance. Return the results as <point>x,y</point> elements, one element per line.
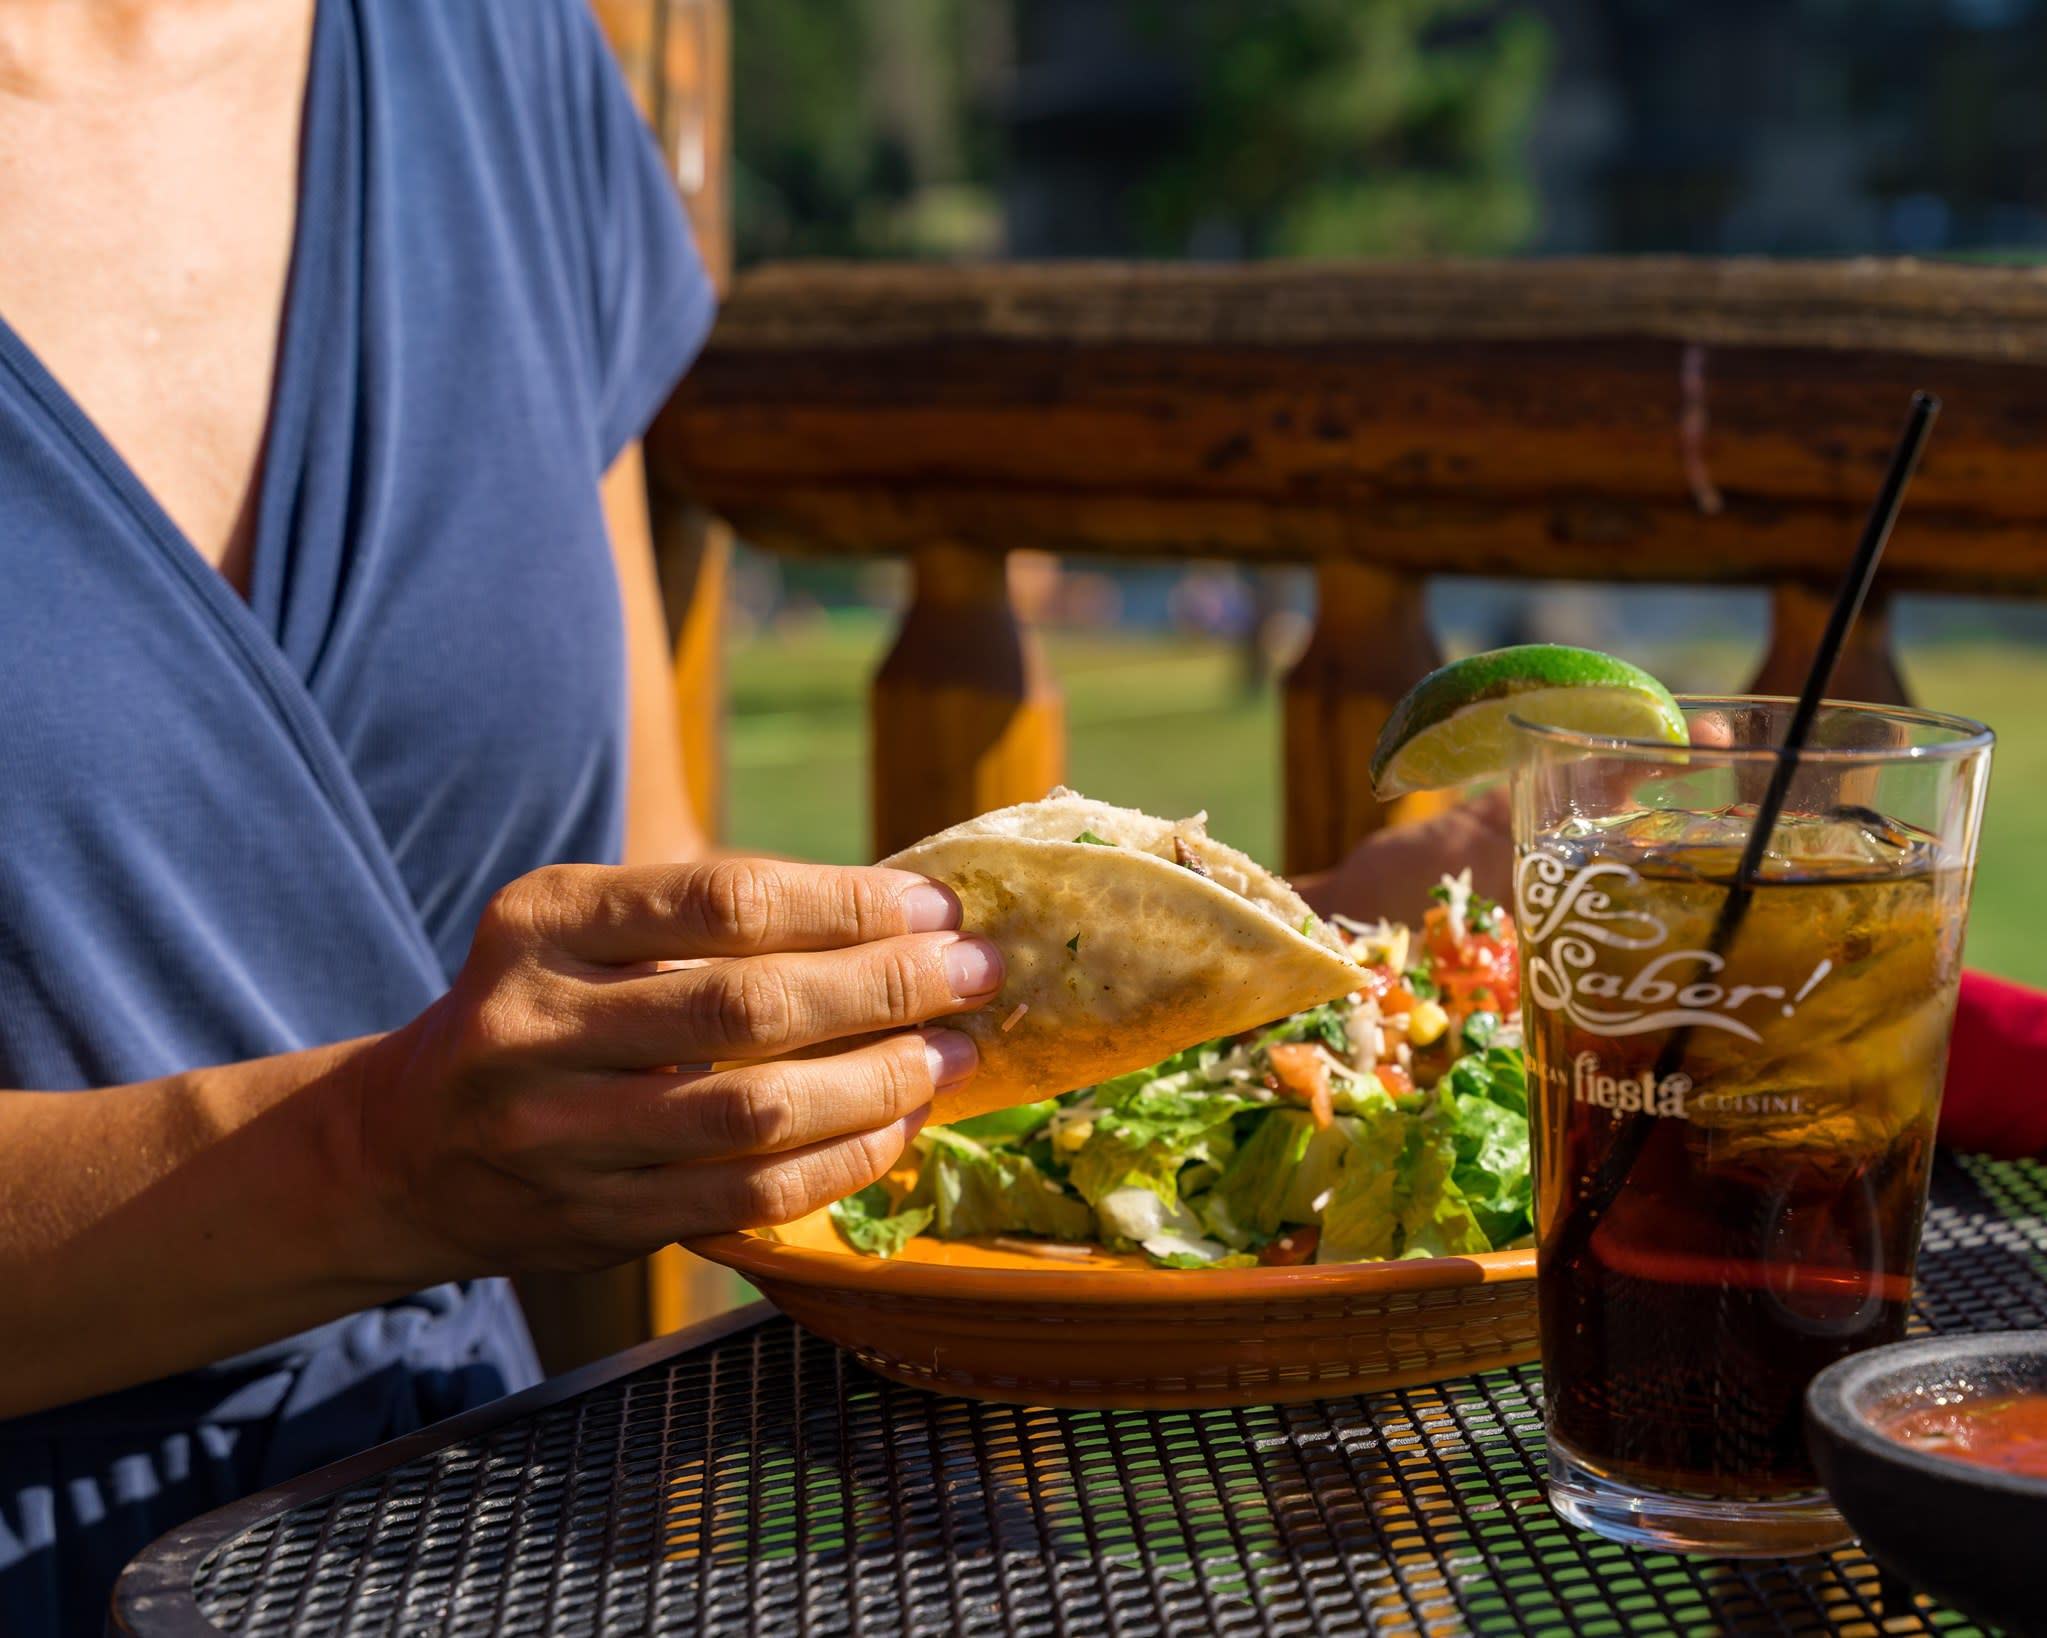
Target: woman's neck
<point>59,50</point>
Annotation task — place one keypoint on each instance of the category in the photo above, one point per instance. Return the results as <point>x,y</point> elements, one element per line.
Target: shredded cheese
<point>1362,1026</point>
<point>1047,1248</point>
<point>1458,904</point>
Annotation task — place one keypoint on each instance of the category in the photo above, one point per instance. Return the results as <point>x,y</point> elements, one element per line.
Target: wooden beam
<point>1642,421</point>
<point>1935,310</point>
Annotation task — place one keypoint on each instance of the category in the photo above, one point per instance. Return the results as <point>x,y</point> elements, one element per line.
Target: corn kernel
<point>1073,1135</point>
<point>1426,1023</point>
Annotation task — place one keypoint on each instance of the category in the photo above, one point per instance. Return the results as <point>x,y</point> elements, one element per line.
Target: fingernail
<point>930,908</point>
<point>951,1054</point>
<point>913,1122</point>
<point>972,967</point>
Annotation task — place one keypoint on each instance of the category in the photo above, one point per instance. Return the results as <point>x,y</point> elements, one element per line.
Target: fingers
<point>660,1203</point>
<point>769,1006</point>
<point>621,1122</point>
<point>734,907</point>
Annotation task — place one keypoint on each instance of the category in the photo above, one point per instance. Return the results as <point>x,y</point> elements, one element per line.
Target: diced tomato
<point>1291,1249</point>
<point>1302,1074</point>
<point>1480,972</point>
<point>1396,1080</point>
<point>1387,987</point>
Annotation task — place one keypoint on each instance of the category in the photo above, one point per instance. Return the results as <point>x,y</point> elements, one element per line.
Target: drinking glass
<point>1733,1092</point>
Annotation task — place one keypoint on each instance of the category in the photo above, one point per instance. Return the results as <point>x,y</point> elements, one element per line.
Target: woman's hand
<point>536,1116</point>
<point>1391,871</point>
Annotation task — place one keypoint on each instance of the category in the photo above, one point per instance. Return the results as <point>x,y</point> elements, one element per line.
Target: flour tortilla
<point>1116,956</point>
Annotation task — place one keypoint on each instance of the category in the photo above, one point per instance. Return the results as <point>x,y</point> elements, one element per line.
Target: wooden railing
<point>1608,421</point>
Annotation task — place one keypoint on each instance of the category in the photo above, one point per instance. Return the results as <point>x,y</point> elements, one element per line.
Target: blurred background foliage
<point>1227,129</point>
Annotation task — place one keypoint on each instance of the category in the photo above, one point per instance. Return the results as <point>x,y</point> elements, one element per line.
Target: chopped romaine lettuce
<point>1435,1218</point>
<point>1314,1180</point>
<point>1361,1217</point>
<point>973,1189</point>
<point>1135,1213</point>
<point>1169,1252</point>
<point>1490,1143</point>
<point>870,1223</point>
<point>1147,1136</point>
<point>1253,1187</point>
<point>1006,1125</point>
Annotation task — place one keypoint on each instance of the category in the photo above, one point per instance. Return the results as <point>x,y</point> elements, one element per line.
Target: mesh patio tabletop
<point>747,1477</point>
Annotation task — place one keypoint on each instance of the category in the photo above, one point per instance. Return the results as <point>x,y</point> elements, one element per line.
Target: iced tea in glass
<point>1734,1108</point>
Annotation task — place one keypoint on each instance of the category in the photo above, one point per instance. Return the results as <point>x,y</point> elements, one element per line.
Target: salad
<point>1392,1122</point>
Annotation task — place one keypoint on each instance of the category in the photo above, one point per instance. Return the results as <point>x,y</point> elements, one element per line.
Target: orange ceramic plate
<point>990,1323</point>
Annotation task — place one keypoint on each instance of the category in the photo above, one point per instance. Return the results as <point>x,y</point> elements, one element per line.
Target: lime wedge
<point>1452,726</point>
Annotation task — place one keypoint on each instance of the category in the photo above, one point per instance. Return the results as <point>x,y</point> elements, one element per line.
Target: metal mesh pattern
<point>766,1483</point>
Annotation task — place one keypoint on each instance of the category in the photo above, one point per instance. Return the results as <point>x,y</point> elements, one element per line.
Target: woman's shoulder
<point>540,58</point>
<point>518,158</point>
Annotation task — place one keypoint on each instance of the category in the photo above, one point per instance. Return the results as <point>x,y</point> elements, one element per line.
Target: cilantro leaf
<point>1479,1030</point>
<point>869,1223</point>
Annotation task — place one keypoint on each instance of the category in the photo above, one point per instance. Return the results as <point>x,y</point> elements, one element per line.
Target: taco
<point>1126,938</point>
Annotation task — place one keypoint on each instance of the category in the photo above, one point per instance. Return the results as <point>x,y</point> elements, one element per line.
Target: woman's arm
<point>145,1229</point>
<point>532,1118</point>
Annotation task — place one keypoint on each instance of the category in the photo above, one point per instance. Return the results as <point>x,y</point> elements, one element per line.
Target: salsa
<point>2004,1431</point>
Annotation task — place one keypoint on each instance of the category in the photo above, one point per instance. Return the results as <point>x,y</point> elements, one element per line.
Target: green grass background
<point>1163,723</point>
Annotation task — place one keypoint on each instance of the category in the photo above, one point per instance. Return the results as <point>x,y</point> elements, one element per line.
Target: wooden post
<point>1868,670</point>
<point>1371,644</point>
<point>965,715</point>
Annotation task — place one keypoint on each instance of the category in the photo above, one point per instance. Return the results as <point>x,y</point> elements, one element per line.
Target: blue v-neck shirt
<point>233,828</point>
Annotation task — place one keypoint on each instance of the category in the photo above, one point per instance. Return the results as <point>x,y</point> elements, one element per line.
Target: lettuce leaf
<point>1436,1220</point>
<point>1248,1197</point>
<point>869,1222</point>
<point>1007,1125</point>
<point>1498,1074</point>
<point>1491,1164</point>
<point>1361,1221</point>
<point>1317,1172</point>
<point>1396,1194</point>
<point>972,1189</point>
<point>1144,1140</point>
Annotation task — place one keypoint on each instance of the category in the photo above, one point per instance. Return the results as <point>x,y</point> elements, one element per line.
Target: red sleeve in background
<point>1996,1098</point>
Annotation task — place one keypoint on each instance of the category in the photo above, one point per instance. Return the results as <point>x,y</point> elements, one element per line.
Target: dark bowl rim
<point>1830,1403</point>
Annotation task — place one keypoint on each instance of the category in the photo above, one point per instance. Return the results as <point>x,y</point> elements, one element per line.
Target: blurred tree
<point>865,127</point>
<point>1348,127</point>
<point>1250,128</point>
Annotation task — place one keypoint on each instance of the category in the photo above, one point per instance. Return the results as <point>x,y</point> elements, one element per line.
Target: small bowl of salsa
<point>2006,1431</point>
<point>1935,1451</point>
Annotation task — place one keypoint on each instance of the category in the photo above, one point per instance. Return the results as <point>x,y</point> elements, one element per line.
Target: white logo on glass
<point>1567,918</point>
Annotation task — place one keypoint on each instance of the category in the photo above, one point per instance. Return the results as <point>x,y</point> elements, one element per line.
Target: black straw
<point>1576,1231</point>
